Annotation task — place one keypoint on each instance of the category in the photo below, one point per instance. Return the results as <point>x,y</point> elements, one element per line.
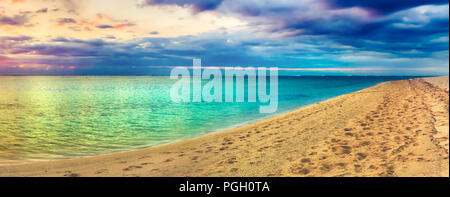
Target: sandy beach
<point>397,128</point>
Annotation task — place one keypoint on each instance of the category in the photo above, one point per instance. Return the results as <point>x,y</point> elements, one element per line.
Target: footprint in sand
<point>361,156</point>
<point>101,171</point>
<point>131,168</point>
<point>70,174</point>
<point>306,160</point>
<point>302,171</point>
<point>326,167</point>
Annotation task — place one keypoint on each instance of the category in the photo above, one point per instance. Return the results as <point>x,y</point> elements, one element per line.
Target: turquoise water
<point>63,117</point>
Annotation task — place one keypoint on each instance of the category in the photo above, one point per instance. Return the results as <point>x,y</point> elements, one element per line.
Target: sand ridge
<point>397,128</point>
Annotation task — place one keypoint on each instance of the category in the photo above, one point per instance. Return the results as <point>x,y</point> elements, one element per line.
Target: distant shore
<point>397,128</point>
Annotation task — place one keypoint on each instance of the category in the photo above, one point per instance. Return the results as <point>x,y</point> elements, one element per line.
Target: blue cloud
<point>105,27</point>
<point>198,5</point>
<point>387,6</point>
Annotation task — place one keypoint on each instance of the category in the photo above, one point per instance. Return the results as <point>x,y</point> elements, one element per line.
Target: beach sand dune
<point>397,128</point>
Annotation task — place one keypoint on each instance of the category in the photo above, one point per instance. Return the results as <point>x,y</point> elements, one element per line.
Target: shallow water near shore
<point>64,117</point>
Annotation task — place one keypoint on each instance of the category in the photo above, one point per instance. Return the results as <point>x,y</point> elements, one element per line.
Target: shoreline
<point>245,150</point>
<point>31,161</point>
<point>215,131</point>
<point>219,130</point>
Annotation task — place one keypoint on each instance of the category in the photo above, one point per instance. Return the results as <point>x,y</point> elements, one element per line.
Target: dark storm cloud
<point>386,6</point>
<point>396,32</point>
<point>382,6</point>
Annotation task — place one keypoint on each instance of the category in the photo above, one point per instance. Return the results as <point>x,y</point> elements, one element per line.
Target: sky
<point>149,37</point>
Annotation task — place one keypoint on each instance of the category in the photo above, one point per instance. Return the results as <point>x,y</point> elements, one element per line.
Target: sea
<point>58,117</point>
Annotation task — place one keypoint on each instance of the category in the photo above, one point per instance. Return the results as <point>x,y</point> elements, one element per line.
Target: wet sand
<point>397,128</point>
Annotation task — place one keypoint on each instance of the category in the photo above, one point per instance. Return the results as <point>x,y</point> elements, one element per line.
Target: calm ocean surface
<point>63,117</point>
